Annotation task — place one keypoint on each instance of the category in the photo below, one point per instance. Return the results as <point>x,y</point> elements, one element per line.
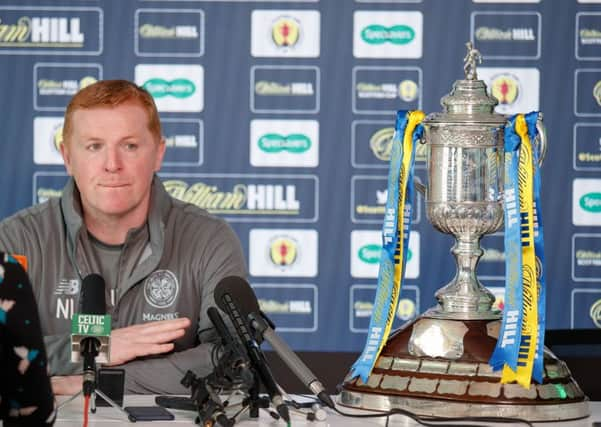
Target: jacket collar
<point>153,230</point>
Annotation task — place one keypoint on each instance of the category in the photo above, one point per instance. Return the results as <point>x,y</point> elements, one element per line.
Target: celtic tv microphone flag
<point>395,238</point>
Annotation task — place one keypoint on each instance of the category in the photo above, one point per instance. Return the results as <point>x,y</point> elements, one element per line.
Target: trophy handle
<point>541,140</point>
<point>418,185</point>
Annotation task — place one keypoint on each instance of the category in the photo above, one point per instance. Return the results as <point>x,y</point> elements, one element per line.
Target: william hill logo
<point>283,251</point>
<point>294,143</point>
<point>41,32</point>
<point>63,87</point>
<point>285,31</point>
<point>379,34</point>
<point>591,202</point>
<point>149,31</point>
<point>178,88</point>
<point>241,199</point>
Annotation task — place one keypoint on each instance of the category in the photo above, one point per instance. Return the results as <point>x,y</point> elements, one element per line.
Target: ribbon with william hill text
<point>395,239</point>
<point>519,347</point>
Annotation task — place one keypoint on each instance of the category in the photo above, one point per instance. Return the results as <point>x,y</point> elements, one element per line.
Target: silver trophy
<point>437,365</point>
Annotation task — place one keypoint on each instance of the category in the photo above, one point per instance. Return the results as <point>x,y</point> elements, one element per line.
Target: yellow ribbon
<point>529,339</point>
<point>414,119</point>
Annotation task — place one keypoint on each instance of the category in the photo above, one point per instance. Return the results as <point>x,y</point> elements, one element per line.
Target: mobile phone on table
<point>148,413</point>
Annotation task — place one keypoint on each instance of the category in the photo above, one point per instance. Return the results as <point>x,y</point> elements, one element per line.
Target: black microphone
<point>225,301</point>
<point>240,363</point>
<point>249,307</point>
<point>92,305</point>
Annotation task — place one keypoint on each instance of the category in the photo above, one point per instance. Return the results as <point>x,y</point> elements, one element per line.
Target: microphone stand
<point>89,351</point>
<point>262,329</point>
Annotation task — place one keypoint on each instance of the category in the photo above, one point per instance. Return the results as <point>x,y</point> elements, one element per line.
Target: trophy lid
<point>469,100</point>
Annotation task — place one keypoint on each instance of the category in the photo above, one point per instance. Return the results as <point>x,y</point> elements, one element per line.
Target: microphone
<point>91,330</point>
<point>224,300</point>
<point>240,361</point>
<point>249,307</point>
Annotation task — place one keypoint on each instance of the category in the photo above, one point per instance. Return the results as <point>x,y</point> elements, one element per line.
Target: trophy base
<point>439,367</point>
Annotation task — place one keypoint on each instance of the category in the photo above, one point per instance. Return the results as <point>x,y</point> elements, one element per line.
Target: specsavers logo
<point>370,253</point>
<point>36,30</point>
<point>276,143</point>
<point>591,202</point>
<point>586,204</point>
<point>378,34</point>
<point>284,143</point>
<point>492,255</point>
<point>387,34</point>
<point>178,88</point>
<point>366,250</point>
<point>175,88</point>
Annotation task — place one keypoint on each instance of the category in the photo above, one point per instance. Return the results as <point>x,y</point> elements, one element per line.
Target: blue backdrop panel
<point>278,117</point>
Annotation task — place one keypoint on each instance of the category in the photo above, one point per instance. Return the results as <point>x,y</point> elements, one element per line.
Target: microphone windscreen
<point>240,291</point>
<point>91,298</point>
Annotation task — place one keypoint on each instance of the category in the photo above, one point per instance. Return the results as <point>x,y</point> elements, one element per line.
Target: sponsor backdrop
<point>278,117</point>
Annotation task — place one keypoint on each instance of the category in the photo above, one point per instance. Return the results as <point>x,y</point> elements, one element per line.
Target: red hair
<point>112,93</point>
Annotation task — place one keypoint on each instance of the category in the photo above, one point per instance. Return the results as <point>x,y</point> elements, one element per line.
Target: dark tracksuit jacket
<point>168,268</point>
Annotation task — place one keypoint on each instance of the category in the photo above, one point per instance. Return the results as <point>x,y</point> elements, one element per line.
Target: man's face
<point>112,156</point>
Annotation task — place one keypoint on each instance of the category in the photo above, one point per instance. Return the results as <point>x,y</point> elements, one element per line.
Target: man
<point>160,258</point>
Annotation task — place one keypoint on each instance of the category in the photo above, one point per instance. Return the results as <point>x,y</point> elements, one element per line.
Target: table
<point>71,415</point>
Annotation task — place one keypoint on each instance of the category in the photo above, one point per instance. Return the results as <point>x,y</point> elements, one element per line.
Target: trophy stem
<point>465,297</point>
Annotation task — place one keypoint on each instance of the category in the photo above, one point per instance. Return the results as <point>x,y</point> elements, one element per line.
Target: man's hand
<point>145,339</point>
<point>69,384</point>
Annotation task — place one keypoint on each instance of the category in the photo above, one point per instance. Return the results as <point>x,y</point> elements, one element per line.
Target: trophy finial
<point>471,60</point>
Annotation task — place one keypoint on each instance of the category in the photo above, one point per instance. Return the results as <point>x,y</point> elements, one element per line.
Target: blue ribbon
<point>385,294</point>
<point>507,348</point>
